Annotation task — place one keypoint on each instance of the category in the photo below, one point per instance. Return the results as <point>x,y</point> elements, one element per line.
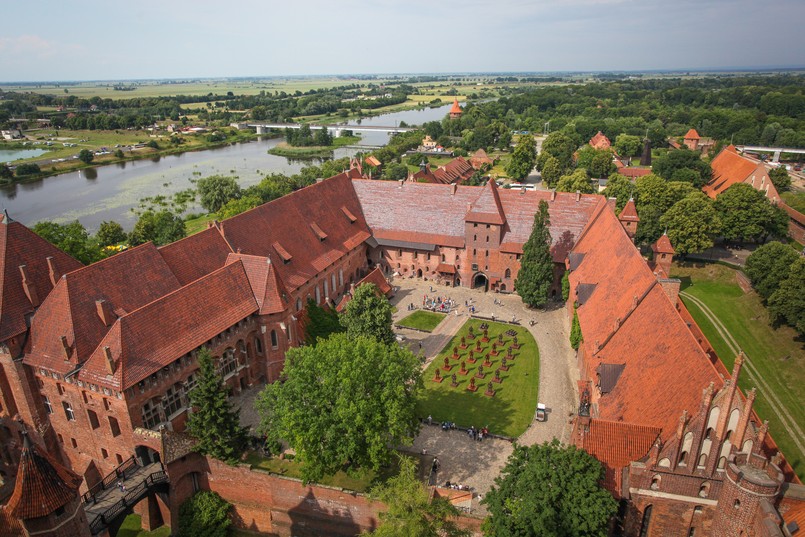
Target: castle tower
<point>629,219</point>
<point>692,140</point>
<point>45,498</point>
<point>751,484</point>
<point>663,255</point>
<point>456,111</point>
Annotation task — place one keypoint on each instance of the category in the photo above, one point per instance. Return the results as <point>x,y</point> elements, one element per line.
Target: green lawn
<point>132,527</point>
<point>359,480</point>
<point>422,320</point>
<point>796,200</point>
<point>511,410</point>
<point>776,354</point>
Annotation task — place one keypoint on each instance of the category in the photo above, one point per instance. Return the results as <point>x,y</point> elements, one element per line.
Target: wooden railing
<point>134,495</point>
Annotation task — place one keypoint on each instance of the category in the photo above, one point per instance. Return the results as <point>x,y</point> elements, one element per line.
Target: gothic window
<point>704,490</point>
<point>702,459</point>
<point>228,364</point>
<point>508,273</point>
<point>190,383</point>
<point>644,526</point>
<point>274,339</point>
<point>150,415</point>
<point>340,278</point>
<point>655,482</point>
<point>736,504</point>
<point>113,425</point>
<point>332,279</point>
<point>172,402</point>
<point>68,411</point>
<point>443,258</point>
<point>48,406</point>
<point>683,458</point>
<point>298,304</point>
<point>722,462</point>
<point>326,288</point>
<point>318,295</point>
<point>258,345</point>
<point>93,419</point>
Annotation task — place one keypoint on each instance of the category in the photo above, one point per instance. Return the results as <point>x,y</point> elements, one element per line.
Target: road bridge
<point>334,129</point>
<point>775,150</point>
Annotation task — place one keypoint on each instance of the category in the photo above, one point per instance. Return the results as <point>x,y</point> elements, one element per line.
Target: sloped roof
<point>126,281</point>
<point>487,209</point>
<point>282,222</point>
<point>197,255</point>
<point>375,277</point>
<point>608,375</point>
<point>633,172</point>
<point>600,141</point>
<point>21,246</point>
<point>630,320</point>
<point>629,212</point>
<point>269,291</point>
<point>729,168</point>
<point>43,485</point>
<point>692,135</point>
<point>616,444</point>
<point>663,245</point>
<point>456,109</point>
<point>158,333</point>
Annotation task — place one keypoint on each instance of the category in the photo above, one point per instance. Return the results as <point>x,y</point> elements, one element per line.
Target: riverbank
<point>284,149</point>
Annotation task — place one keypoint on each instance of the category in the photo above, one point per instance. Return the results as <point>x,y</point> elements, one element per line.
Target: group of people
<point>456,486</point>
<point>438,303</point>
<point>477,434</point>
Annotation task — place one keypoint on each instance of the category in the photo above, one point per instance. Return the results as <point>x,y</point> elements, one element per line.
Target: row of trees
<point>777,273</point>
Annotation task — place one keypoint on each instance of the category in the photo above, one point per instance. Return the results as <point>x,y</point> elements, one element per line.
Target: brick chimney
<point>671,287</point>
<point>553,195</point>
<point>110,361</point>
<point>52,271</point>
<point>29,287</point>
<point>66,347</point>
<point>105,312</point>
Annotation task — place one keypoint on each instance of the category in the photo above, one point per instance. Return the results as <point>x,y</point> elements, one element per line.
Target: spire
<point>487,209</point>
<point>455,111</point>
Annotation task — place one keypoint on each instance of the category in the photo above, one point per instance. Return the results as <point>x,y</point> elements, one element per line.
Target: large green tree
<point>780,178</point>
<point>205,514</point>
<point>576,182</point>
<point>654,197</point>
<point>768,266</point>
<point>673,164</point>
<point>560,146</point>
<point>214,191</point>
<point>234,207</point>
<point>597,162</point>
<point>523,158</point>
<point>551,171</point>
<point>411,512</point>
<point>160,227</point>
<point>536,264</point>
<point>321,322</point>
<point>620,188</point>
<point>692,223</point>
<point>86,156</point>
<point>549,490</point>
<point>787,303</point>
<point>747,214</point>
<point>213,423</point>
<point>368,313</point>
<point>71,238</point>
<point>109,233</point>
<point>345,401</point>
<point>628,145</point>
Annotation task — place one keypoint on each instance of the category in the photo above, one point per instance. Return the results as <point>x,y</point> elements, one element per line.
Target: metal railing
<point>112,478</point>
<point>132,496</point>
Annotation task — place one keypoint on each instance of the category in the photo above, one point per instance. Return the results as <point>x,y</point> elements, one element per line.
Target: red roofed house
<point>376,278</point>
<point>600,141</point>
<point>457,170</point>
<point>455,110</point>
<point>480,159</point>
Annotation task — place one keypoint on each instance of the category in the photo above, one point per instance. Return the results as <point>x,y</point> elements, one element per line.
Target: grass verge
<point>776,354</point>
<point>511,410</point>
<point>422,320</point>
<point>132,527</point>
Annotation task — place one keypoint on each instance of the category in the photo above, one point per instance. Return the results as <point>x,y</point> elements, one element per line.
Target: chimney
<point>553,195</point>
<point>54,274</point>
<point>671,287</point>
<point>110,361</point>
<point>454,188</point>
<point>522,190</point>
<point>104,309</point>
<point>578,195</point>
<point>29,287</point>
<point>65,347</point>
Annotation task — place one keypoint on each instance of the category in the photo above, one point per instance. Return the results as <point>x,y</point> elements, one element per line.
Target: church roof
<point>43,485</point>
<point>456,171</point>
<point>155,335</point>
<point>125,282</point>
<point>692,135</point>
<point>456,109</point>
<point>19,246</point>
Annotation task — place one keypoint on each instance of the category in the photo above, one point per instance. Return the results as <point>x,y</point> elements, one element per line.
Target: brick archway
<point>480,280</point>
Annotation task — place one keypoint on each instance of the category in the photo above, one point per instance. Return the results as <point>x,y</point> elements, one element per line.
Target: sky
<point>52,40</point>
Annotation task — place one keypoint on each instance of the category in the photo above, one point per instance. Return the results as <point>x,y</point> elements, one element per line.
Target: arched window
<point>736,504</point>
<point>298,304</point>
<point>227,364</point>
<point>683,458</point>
<point>443,258</point>
<point>508,273</point>
<point>655,482</point>
<point>258,345</point>
<point>702,459</point>
<point>646,523</point>
<point>722,462</point>
<point>318,295</point>
<point>704,490</point>
<point>274,339</point>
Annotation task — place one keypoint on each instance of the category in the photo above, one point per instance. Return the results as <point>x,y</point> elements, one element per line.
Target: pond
<point>10,155</point>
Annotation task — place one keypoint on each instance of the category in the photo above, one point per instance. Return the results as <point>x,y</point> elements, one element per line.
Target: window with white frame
<point>228,364</point>
<point>151,417</point>
<point>172,402</point>
<point>68,411</point>
<point>48,406</point>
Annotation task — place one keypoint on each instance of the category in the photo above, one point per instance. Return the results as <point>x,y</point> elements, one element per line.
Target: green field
<point>775,355</point>
<point>283,149</point>
<point>422,320</point>
<point>511,410</point>
<point>132,527</point>
<point>795,200</point>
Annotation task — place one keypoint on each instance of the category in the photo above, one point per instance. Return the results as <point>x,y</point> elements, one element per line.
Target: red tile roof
<point>158,333</point>
<point>692,135</point>
<point>21,246</point>
<point>487,209</point>
<point>663,245</point>
<point>479,158</point>
<point>126,281</point>
<point>616,444</point>
<point>457,170</point>
<point>372,161</point>
<point>43,485</point>
<point>456,109</point>
<point>629,319</point>
<point>375,277</point>
<point>600,141</point>
<point>729,168</point>
<point>269,291</point>
<point>793,510</point>
<point>197,255</point>
<point>282,223</point>
<point>632,172</point>
<point>629,212</point>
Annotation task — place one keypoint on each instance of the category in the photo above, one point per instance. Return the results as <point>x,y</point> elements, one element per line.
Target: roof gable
<point>197,255</point>
<point>269,291</point>
<point>487,209</point>
<point>629,212</point>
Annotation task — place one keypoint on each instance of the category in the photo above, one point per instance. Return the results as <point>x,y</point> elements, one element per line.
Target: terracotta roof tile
<point>632,172</point>
<point>629,212</point>
<point>729,168</point>
<point>281,222</point>
<point>197,255</point>
<point>456,109</point>
<point>457,170</point>
<point>153,336</point>
<point>487,209</point>
<point>600,141</point>
<point>663,245</point>
<point>269,291</point>
<point>21,246</point>
<point>43,485</point>
<point>692,135</point>
<point>126,281</point>
<point>616,444</point>
<point>793,510</point>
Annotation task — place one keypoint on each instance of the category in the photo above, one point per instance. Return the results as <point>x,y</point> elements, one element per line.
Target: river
<point>111,192</point>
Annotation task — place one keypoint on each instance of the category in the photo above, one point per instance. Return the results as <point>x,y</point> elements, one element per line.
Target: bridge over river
<point>262,128</point>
